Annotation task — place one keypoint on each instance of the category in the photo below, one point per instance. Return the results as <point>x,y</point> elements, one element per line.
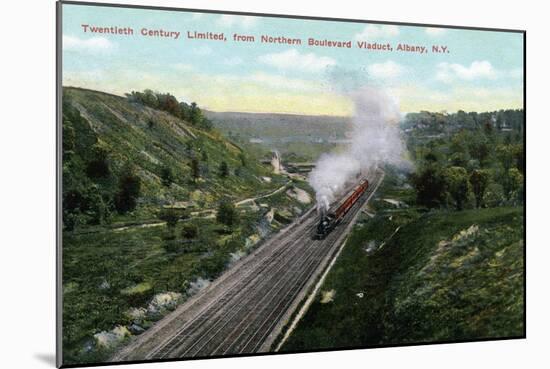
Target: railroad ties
<point>248,309</point>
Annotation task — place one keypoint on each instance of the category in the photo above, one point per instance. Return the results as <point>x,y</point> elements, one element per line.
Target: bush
<point>98,166</point>
<point>166,176</point>
<point>458,185</point>
<point>227,214</point>
<point>171,245</point>
<point>189,231</point>
<point>129,188</point>
<point>195,169</point>
<point>170,216</point>
<point>430,187</point>
<point>224,169</point>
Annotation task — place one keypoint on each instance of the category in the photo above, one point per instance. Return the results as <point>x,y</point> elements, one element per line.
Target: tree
<point>149,98</point>
<point>513,183</point>
<point>227,214</point>
<point>431,157</point>
<point>224,169</point>
<point>189,231</point>
<point>519,157</point>
<point>195,169</point>
<point>459,142</point>
<point>505,154</point>
<point>166,176</point>
<point>457,184</point>
<point>171,217</point>
<point>195,114</point>
<point>129,187</point>
<point>459,159</point>
<point>479,179</point>
<point>167,102</point>
<point>98,166</point>
<point>430,187</point>
<point>479,149</point>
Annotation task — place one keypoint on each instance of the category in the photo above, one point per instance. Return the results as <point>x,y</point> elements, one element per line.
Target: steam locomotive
<point>333,217</point>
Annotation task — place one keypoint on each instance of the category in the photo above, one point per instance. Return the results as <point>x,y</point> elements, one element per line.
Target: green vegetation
<point>150,189</point>
<point>227,214</point>
<point>469,164</point>
<point>167,102</point>
<point>224,169</point>
<point>119,168</point>
<point>408,277</point>
<point>189,231</point>
<point>441,258</point>
<point>140,210</point>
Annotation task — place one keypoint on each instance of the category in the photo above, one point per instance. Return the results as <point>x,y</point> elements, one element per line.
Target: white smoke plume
<point>376,140</point>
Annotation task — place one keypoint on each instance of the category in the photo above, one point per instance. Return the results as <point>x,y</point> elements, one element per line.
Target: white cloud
<point>373,31</point>
<point>435,32</point>
<point>90,45</point>
<point>235,60</point>
<point>292,59</point>
<point>183,67</point>
<point>243,21</point>
<point>386,70</point>
<point>197,16</point>
<point>448,72</point>
<point>203,50</point>
<point>279,82</point>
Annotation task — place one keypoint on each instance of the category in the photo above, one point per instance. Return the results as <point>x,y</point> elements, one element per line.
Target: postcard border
<point>59,138</point>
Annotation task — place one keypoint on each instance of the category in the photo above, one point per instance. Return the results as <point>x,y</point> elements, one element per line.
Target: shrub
<point>170,216</point>
<point>189,231</point>
<point>129,188</point>
<point>227,214</point>
<point>166,176</point>
<point>224,169</point>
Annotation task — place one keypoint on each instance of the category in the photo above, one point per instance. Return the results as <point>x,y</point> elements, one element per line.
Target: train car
<point>333,217</point>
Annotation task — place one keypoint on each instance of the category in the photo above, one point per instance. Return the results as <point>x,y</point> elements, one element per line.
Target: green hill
<point>106,135</point>
<point>410,276</point>
<point>149,214</point>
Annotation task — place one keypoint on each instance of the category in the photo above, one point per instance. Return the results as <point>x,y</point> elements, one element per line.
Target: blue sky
<point>483,70</point>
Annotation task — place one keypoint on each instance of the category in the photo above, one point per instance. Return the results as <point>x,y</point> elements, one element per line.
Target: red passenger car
<point>333,217</point>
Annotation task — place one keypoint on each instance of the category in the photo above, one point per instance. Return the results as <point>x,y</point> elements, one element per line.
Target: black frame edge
<point>58,187</point>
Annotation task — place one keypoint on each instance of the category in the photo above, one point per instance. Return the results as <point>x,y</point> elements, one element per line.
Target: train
<point>332,218</point>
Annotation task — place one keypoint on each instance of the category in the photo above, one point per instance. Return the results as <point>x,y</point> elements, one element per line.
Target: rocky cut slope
<point>110,143</point>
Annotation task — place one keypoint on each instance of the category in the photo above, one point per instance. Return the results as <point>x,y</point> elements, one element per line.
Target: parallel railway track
<point>247,307</point>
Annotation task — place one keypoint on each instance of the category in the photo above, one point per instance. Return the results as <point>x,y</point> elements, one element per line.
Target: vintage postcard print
<point>240,184</point>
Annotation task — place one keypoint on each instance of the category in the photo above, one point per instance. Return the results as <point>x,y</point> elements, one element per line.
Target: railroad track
<point>246,309</point>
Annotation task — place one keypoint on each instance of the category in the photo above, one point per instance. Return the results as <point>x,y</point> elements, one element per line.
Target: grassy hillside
<point>154,143</point>
<point>407,276</point>
<point>142,195</point>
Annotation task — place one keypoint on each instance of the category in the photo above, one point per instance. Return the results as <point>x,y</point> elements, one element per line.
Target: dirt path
<point>250,199</point>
